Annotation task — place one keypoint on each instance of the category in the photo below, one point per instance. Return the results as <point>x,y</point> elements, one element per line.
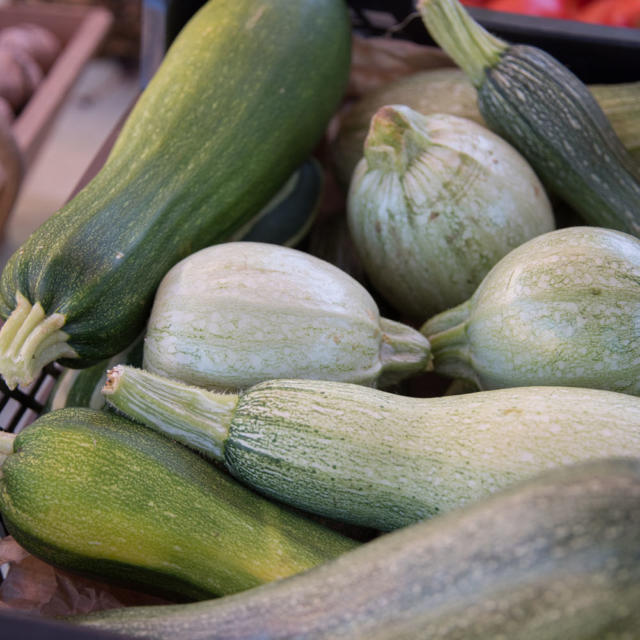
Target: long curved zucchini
<point>553,559</point>
<point>241,99</point>
<point>378,459</point>
<point>547,113</point>
<point>93,492</point>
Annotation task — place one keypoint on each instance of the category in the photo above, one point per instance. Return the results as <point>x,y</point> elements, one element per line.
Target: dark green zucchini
<point>554,559</point>
<point>92,492</point>
<point>540,107</point>
<point>287,218</point>
<point>241,99</point>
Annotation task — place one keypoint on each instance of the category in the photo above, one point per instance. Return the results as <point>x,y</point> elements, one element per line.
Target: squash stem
<point>196,417</point>
<point>30,340</point>
<point>404,352</point>
<point>470,46</point>
<point>395,139</point>
<point>447,334</point>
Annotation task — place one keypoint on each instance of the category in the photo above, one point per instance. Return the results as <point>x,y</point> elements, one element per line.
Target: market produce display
<point>189,168</point>
<point>314,445</point>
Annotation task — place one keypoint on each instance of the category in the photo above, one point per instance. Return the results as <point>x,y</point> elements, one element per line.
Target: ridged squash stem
<point>29,340</point>
<point>470,46</point>
<point>447,334</point>
<point>190,415</point>
<point>402,352</point>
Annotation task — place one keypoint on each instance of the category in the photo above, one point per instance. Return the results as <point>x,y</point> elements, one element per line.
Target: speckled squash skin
<point>95,493</point>
<point>386,461</point>
<point>435,202</point>
<point>375,458</point>
<point>562,309</point>
<point>238,313</point>
<point>556,558</point>
<point>241,99</point>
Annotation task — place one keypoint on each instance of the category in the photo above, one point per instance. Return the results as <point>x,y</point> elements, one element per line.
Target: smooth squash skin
<point>241,99</point>
<point>235,314</point>
<point>379,459</point>
<point>95,493</point>
<point>538,105</point>
<point>561,309</point>
<point>555,558</point>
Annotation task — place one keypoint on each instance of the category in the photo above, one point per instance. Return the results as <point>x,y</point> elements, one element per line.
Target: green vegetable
<point>554,558</point>
<point>241,99</point>
<point>237,313</point>
<point>449,90</point>
<point>92,492</point>
<point>374,458</point>
<point>547,113</point>
<point>434,203</point>
<point>562,309</point>
<point>287,218</point>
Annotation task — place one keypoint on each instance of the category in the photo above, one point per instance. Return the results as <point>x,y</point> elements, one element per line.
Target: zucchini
<point>561,309</point>
<point>449,90</point>
<point>240,100</point>
<point>289,215</point>
<point>555,558</point>
<point>527,97</point>
<point>374,458</point>
<point>237,313</point>
<point>95,493</point>
<point>434,203</point>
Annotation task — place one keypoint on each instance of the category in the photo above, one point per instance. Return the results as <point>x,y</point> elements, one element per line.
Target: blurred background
<point>105,82</point>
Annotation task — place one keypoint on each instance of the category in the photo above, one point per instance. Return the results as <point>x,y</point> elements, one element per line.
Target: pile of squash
<point>238,426</point>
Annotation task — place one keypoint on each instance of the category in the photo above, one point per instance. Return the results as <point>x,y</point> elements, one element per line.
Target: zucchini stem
<point>447,333</point>
<point>469,44</point>
<point>196,417</point>
<point>404,352</point>
<point>30,340</point>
